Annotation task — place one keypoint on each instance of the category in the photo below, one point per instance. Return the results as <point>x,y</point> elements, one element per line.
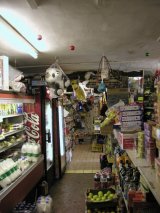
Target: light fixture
<point>15,40</point>
<point>33,3</point>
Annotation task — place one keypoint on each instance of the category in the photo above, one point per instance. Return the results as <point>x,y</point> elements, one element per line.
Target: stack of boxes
<point>131,118</point>
<point>140,145</point>
<point>127,141</point>
<point>150,145</point>
<point>131,123</point>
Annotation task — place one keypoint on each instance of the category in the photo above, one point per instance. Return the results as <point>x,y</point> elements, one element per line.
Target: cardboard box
<point>131,113</point>
<point>131,118</point>
<point>129,108</point>
<point>131,123</point>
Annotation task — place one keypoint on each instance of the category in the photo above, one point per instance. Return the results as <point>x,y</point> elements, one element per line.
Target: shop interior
<point>79,106</point>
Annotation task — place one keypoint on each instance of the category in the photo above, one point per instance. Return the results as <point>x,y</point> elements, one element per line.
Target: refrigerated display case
<point>17,181</point>
<point>49,134</point>
<point>45,109</point>
<point>61,138</point>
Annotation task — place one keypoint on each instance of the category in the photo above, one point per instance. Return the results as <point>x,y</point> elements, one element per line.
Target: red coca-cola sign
<point>32,129</point>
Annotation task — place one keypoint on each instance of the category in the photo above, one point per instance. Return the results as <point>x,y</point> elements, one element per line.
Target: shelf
<point>13,145</point>
<point>147,172</point>
<point>19,189</point>
<point>138,162</point>
<point>8,116</point>
<point>11,133</point>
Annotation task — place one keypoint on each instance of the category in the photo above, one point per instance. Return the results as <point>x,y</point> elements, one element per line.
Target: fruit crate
<point>107,202</point>
<point>97,147</point>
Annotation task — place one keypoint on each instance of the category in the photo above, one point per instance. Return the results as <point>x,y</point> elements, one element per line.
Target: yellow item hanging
<point>80,94</point>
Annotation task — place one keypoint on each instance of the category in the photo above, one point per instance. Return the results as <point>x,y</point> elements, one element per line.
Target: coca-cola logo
<point>32,127</point>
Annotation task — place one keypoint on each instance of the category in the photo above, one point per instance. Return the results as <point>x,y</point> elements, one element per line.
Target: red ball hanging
<point>39,37</point>
<point>72,47</point>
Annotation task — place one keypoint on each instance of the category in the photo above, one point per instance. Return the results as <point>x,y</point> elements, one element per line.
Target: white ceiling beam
<point>33,3</point>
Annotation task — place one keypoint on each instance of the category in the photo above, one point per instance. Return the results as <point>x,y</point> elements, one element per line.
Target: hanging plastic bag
<point>101,87</point>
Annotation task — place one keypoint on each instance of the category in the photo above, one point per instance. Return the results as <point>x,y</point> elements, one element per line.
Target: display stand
<point>10,113</point>
<point>20,188</point>
<point>147,172</point>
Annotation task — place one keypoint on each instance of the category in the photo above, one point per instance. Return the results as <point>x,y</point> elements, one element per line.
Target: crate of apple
<point>101,197</point>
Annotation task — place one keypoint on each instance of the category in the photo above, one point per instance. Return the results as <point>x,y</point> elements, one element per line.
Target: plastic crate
<point>107,205</point>
<point>97,147</point>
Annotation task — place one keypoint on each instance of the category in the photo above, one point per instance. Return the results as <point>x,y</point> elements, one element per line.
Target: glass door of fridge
<point>49,134</point>
<point>61,138</point>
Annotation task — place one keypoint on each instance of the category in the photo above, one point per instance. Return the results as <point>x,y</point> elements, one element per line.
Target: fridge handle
<point>48,136</point>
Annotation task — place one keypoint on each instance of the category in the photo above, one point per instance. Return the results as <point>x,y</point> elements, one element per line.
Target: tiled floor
<point>68,193</point>
<point>84,160</point>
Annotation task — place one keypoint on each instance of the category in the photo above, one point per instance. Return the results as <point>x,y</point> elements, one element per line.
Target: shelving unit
<point>19,189</point>
<point>147,172</point>
<point>8,116</point>
<point>11,133</point>
<point>13,145</point>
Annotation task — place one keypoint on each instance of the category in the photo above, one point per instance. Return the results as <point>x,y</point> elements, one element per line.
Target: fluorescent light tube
<point>33,4</point>
<point>15,40</point>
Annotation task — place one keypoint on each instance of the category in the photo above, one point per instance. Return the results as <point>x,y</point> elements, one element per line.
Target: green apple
<point>100,194</point>
<point>108,193</point>
<point>105,195</point>
<point>103,198</point>
<point>95,196</point>
<point>89,197</point>
<point>98,199</point>
<point>110,197</point>
<point>90,194</point>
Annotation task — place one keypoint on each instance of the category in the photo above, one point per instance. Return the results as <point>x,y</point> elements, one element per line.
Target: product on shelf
<point>150,143</point>
<point>149,98</point>
<point>25,207</point>
<point>131,118</point>
<point>11,109</point>
<point>125,140</point>
<point>157,168</point>
<point>9,171</point>
<point>31,150</point>
<point>23,163</point>
<point>104,178</point>
<point>140,145</point>
<point>11,140</point>
<point>44,204</point>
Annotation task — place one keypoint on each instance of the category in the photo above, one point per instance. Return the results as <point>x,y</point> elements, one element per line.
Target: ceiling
<point>122,30</point>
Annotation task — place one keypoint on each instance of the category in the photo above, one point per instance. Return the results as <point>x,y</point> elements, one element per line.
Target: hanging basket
<point>103,73</point>
<point>104,69</point>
